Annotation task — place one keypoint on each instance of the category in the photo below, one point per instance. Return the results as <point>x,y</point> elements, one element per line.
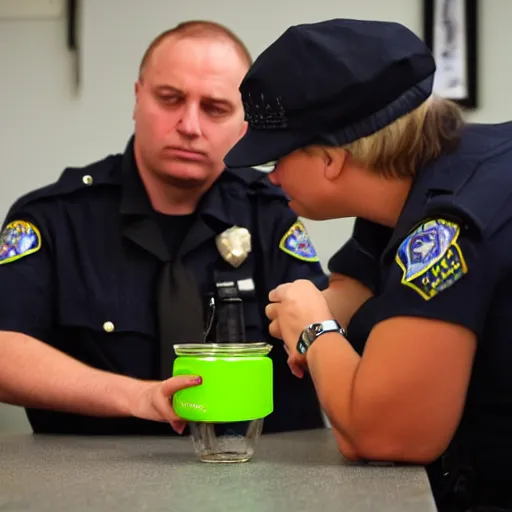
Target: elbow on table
<point>346,449</point>
<point>398,449</point>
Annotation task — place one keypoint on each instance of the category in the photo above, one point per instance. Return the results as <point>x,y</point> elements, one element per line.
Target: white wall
<point>45,125</point>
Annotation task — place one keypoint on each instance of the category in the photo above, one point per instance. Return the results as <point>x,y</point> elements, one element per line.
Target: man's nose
<point>189,124</point>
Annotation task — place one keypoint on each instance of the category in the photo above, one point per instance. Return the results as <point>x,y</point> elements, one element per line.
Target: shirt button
<point>87,179</point>
<point>108,327</point>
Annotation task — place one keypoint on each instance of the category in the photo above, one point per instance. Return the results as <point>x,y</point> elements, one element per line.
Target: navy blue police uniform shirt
<point>449,258</point>
<point>81,260</point>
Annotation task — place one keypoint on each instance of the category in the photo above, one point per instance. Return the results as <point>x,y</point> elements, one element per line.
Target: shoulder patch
<point>296,243</point>
<point>430,258</point>
<point>18,239</point>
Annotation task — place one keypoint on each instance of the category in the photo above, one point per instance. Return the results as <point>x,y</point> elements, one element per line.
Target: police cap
<point>330,83</point>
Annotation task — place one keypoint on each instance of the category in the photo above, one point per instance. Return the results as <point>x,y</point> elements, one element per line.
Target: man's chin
<point>188,178</point>
<point>185,183</point>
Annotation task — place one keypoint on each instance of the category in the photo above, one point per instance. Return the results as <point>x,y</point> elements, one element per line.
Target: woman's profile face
<point>306,177</point>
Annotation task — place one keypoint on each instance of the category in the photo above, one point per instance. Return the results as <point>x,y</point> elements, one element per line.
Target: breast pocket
<point>117,335</point>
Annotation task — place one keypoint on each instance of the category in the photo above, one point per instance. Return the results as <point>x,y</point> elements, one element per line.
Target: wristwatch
<point>313,331</point>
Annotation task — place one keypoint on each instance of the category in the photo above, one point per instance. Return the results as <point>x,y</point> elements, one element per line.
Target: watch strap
<point>313,331</point>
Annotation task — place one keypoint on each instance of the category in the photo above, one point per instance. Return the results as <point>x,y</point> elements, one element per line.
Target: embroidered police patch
<point>18,239</point>
<point>431,258</point>
<point>297,243</point>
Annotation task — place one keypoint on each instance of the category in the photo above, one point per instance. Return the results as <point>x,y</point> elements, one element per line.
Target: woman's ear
<point>334,160</point>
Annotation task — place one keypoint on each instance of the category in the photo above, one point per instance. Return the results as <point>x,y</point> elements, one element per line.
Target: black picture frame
<point>456,31</point>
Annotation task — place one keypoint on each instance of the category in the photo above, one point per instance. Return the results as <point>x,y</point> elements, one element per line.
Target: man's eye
<point>214,110</point>
<point>170,100</point>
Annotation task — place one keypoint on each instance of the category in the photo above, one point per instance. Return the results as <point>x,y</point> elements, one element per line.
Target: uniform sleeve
<point>289,249</point>
<point>359,257</point>
<point>26,277</point>
<point>444,273</point>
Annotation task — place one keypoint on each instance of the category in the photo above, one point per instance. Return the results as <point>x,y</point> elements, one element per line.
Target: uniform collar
<point>214,205</point>
<point>223,205</point>
<point>432,187</point>
<point>134,198</point>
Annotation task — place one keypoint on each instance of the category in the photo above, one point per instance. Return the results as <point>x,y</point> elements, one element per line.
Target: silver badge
<point>234,245</point>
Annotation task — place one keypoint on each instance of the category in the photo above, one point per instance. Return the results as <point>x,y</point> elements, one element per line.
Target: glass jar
<point>227,410</point>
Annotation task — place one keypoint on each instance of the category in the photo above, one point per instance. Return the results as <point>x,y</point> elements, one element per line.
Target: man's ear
<point>334,159</point>
<point>136,90</point>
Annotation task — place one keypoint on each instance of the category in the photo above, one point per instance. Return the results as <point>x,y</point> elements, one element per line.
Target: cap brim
<point>258,147</point>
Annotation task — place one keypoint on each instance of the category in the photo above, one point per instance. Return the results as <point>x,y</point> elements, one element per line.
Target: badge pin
<point>234,245</point>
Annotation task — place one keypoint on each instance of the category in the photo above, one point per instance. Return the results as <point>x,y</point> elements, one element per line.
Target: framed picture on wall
<point>450,31</point>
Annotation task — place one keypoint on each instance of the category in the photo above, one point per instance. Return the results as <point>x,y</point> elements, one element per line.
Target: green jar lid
<point>222,349</point>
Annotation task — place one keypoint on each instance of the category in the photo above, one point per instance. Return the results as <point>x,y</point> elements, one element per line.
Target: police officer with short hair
<point>106,269</point>
<point>410,348</point>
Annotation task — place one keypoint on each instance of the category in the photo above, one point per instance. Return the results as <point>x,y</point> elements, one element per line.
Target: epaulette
<point>74,179</point>
<point>257,182</point>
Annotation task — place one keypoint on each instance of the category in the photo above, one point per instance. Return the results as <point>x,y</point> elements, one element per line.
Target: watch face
<point>309,335</point>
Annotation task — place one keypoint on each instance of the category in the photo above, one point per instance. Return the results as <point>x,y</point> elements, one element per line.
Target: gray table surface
<point>295,472</point>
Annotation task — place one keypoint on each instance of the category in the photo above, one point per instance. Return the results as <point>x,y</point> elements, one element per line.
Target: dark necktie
<point>180,312</point>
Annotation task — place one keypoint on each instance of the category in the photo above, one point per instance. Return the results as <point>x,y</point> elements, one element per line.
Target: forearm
<point>367,412</point>
<point>333,363</point>
<point>33,374</point>
<point>344,297</point>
